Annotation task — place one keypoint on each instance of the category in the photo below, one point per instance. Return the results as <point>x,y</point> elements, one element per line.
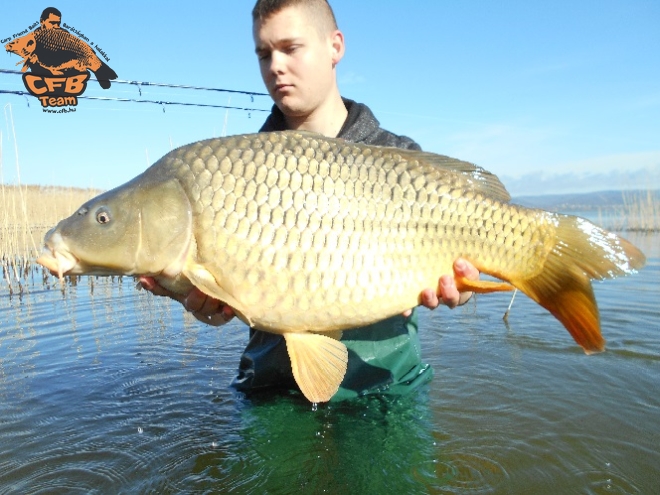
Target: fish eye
<point>103,216</point>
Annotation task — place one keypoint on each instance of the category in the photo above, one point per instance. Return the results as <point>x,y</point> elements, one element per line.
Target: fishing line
<point>156,102</point>
<point>163,85</point>
<point>163,103</point>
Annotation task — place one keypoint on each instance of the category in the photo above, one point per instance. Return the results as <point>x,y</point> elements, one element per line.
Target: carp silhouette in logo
<point>51,50</point>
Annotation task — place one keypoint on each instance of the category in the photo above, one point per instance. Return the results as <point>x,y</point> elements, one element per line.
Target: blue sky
<point>559,96</point>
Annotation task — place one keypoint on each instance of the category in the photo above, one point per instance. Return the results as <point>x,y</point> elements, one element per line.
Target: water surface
<point>105,389</point>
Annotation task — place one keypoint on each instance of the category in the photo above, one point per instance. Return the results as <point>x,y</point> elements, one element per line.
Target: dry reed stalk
<point>26,214</point>
<point>39,208</point>
<point>642,210</point>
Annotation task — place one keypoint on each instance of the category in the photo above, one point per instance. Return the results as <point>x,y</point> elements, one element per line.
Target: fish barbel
<point>305,236</point>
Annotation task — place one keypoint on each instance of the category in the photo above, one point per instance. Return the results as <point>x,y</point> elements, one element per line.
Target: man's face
<point>51,22</point>
<point>296,61</point>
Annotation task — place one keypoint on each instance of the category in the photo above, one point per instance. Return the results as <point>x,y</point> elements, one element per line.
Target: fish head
<point>141,228</point>
<point>23,46</point>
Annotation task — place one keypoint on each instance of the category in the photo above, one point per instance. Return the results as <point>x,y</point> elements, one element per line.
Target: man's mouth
<point>280,88</point>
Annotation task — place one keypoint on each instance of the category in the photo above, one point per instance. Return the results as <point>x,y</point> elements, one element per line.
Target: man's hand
<point>206,309</point>
<point>447,292</point>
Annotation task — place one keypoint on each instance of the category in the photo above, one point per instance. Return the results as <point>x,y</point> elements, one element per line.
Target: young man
<point>299,46</point>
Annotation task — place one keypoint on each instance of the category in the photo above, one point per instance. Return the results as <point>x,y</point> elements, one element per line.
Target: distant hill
<point>600,200</point>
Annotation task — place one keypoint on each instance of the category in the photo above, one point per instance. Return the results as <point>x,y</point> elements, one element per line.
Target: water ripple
<point>104,389</point>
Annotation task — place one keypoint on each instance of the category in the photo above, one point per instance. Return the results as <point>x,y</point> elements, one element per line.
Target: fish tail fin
<point>582,252</point>
<point>104,74</point>
<point>566,292</point>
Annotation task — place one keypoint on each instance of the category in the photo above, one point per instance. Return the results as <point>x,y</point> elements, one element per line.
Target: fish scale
<point>305,236</point>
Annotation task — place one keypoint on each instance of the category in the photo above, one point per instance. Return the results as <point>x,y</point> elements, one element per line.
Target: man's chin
<point>292,107</point>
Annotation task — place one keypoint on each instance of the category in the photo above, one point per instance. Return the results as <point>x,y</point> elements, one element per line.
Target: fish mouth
<point>57,263</point>
<point>56,258</point>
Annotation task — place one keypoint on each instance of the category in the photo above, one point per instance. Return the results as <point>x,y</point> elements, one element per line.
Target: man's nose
<point>277,63</point>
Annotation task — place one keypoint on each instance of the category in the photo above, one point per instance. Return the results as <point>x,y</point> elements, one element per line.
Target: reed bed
<point>638,212</point>
<point>26,214</point>
<point>642,210</point>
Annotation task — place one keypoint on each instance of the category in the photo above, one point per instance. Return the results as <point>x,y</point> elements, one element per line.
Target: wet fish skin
<point>304,235</point>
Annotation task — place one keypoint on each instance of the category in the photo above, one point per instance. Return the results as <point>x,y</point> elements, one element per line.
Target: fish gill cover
<point>58,62</point>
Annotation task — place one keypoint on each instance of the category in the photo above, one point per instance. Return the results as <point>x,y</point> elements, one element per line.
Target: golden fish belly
<point>314,235</point>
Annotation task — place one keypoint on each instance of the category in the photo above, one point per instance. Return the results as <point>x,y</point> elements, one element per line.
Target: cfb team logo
<point>59,62</point>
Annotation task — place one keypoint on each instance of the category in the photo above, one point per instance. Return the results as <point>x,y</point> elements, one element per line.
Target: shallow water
<point>105,389</point>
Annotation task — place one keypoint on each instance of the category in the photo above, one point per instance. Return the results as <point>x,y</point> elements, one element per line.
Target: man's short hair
<point>50,10</point>
<point>320,10</point>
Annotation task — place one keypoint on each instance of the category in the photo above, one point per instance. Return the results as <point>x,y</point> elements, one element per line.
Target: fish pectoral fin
<point>318,363</point>
<point>204,280</point>
<point>481,286</point>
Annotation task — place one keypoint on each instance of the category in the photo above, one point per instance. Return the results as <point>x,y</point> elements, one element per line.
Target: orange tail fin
<point>582,252</point>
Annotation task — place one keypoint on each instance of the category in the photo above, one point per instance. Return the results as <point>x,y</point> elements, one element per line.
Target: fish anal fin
<point>481,286</point>
<point>318,363</point>
<point>335,334</point>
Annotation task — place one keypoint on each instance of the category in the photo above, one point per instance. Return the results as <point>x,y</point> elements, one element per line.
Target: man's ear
<point>338,47</point>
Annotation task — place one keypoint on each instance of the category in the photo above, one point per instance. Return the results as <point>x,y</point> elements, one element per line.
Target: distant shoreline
<point>582,201</point>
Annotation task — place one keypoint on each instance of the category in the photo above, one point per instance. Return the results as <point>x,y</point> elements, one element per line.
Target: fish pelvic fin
<point>583,252</point>
<point>318,363</point>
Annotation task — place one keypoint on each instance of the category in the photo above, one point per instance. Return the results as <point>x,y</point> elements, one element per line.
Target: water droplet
<point>315,406</point>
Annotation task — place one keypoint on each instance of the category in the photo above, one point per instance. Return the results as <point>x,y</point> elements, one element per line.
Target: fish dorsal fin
<point>318,363</point>
<point>476,178</point>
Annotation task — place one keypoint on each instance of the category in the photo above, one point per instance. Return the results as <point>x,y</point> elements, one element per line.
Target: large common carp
<point>304,236</point>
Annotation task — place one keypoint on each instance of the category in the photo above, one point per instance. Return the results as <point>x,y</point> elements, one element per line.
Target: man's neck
<point>327,119</point>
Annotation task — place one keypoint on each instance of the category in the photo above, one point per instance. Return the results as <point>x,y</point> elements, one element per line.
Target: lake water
<point>106,389</point>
